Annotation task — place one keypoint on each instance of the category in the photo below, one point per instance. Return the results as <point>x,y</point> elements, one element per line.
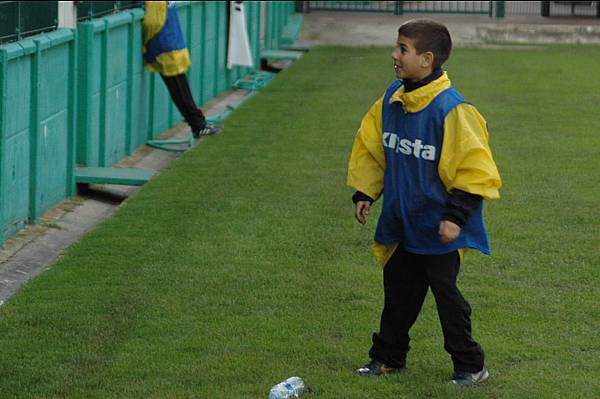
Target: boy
<point>425,149</point>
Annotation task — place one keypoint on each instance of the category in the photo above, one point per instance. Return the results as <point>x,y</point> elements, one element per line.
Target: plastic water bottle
<point>290,388</point>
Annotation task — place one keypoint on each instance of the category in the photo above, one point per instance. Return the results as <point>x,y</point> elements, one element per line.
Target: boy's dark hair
<point>428,35</point>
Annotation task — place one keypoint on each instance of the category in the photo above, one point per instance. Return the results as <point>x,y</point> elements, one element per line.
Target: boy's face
<point>408,64</point>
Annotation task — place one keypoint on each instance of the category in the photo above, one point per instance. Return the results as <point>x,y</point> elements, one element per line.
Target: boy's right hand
<point>362,209</point>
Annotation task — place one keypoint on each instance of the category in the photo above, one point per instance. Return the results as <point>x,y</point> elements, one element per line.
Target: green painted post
<point>216,50</point>
<point>398,7</point>
<point>138,93</point>
<point>198,26</point>
<point>85,33</point>
<point>253,18</point>
<point>257,33</point>
<point>103,87</point>
<point>222,48</point>
<point>249,10</point>
<point>217,46</point>
<point>72,117</point>
<point>129,114</point>
<point>3,99</point>
<point>278,20</point>
<point>275,18</point>
<point>282,19</point>
<point>207,37</point>
<point>500,7</point>
<point>151,106</point>
<point>269,29</point>
<point>545,8</point>
<point>253,23</point>
<point>34,127</point>
<point>190,44</point>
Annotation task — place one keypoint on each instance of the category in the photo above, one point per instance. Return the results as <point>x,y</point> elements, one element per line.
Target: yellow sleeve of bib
<point>367,160</point>
<point>466,161</point>
<point>155,16</point>
<point>172,63</point>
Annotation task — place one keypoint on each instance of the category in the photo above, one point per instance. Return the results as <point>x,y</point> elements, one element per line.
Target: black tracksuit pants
<point>180,92</point>
<point>406,279</point>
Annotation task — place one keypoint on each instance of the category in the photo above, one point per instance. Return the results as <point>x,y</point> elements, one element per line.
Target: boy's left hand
<point>448,231</point>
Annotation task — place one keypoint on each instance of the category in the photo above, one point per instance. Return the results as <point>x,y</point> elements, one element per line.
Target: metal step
<point>122,176</point>
<point>280,55</point>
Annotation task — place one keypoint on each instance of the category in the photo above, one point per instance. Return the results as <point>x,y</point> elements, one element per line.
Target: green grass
<point>241,264</point>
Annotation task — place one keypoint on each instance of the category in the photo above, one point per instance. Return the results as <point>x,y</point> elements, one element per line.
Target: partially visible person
<point>165,52</point>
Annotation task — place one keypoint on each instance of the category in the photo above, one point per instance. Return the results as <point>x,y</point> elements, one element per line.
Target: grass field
<point>241,264</point>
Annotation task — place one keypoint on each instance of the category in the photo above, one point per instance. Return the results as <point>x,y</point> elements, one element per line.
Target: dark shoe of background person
<point>208,130</point>
<point>464,378</point>
<point>376,368</point>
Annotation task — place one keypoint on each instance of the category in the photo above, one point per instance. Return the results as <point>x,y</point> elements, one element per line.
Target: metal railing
<point>402,7</point>
<point>20,19</point>
<point>496,9</point>
<point>95,9</point>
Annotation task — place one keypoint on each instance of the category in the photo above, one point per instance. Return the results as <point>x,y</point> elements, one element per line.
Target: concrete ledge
<point>530,33</point>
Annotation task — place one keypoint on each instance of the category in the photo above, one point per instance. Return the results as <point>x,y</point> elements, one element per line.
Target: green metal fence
<point>83,97</point>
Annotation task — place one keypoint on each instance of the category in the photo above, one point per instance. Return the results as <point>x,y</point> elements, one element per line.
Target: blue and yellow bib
<point>414,197</point>
<point>165,50</point>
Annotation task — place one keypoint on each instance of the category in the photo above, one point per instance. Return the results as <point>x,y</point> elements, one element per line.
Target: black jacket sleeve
<point>461,206</point>
<point>360,196</point>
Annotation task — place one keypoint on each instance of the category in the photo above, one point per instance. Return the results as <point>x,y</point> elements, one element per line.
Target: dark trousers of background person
<point>406,279</point>
<point>180,92</point>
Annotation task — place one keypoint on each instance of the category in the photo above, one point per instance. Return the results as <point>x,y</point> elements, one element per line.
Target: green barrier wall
<point>37,127</point>
<point>105,102</point>
<point>84,97</point>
